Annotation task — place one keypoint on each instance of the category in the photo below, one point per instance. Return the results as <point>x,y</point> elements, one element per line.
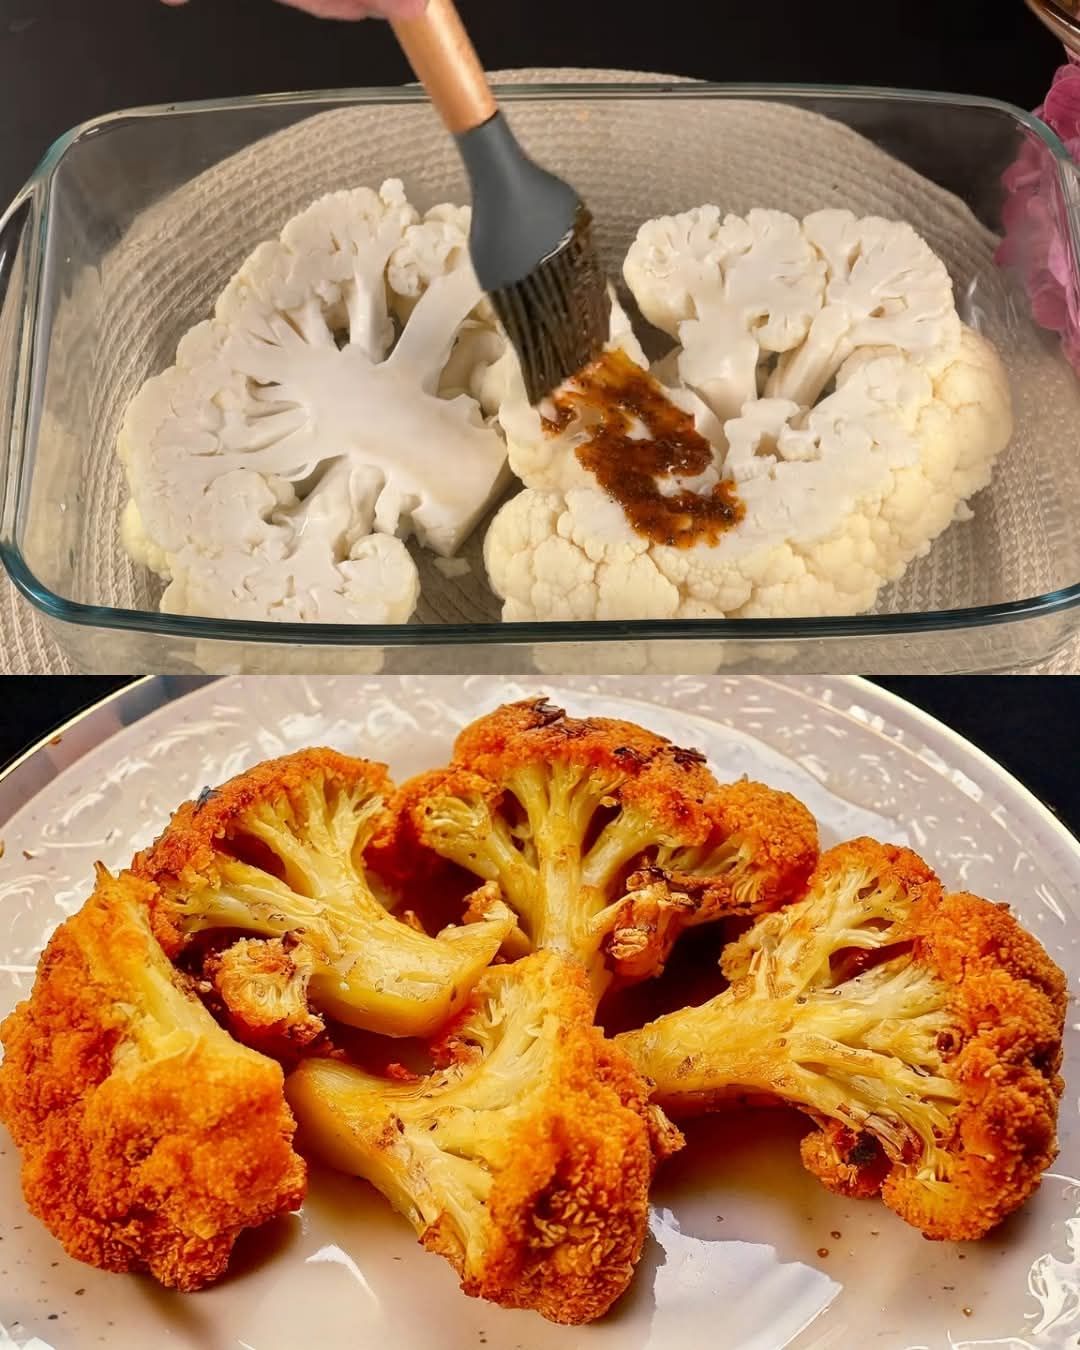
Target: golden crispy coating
<point>279,851</point>
<point>525,1160</point>
<point>606,840</point>
<point>649,772</point>
<point>190,846</point>
<point>760,853</point>
<point>921,1032</point>
<point>1007,1007</point>
<point>615,764</point>
<point>262,984</point>
<point>150,1139</point>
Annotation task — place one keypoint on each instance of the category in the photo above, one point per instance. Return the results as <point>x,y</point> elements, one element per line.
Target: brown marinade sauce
<point>614,395</point>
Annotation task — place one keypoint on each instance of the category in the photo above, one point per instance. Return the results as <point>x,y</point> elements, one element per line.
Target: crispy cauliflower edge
<point>921,1032</point>
<point>525,1160</point>
<point>278,852</point>
<point>150,1139</point>
<point>605,840</point>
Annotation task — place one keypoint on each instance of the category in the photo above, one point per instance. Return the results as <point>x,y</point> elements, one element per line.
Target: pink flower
<point>1035,220</point>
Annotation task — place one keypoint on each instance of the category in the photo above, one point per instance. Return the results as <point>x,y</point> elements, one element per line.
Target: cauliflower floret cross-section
<point>279,853</point>
<point>730,290</point>
<point>920,1031</point>
<point>885,288</point>
<point>277,468</point>
<point>605,840</point>
<point>525,1159</point>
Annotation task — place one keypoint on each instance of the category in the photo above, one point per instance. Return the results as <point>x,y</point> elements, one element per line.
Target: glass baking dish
<point>134,222</point>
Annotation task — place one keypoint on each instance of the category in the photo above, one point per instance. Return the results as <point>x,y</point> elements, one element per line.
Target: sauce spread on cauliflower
<point>851,414</point>
<point>639,439</point>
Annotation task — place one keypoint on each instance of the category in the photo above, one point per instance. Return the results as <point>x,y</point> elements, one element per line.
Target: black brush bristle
<point>559,316</point>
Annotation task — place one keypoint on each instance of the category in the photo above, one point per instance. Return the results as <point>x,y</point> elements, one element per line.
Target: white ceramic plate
<point>747,1251</point>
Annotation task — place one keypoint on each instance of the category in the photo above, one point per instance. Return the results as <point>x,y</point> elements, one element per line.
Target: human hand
<point>352,9</point>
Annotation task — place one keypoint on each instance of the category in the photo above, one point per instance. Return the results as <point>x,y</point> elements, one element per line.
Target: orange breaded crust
<point>779,829</point>
<point>186,847</point>
<point>915,878</point>
<point>265,1003</point>
<point>920,1031</point>
<point>280,851</point>
<point>914,875</point>
<point>518,731</point>
<point>673,783</point>
<point>663,845</point>
<point>760,853</point>
<point>1009,1010</point>
<point>570,1209</point>
<point>139,1155</point>
<point>1002,1047</point>
<point>670,785</point>
<point>399,852</point>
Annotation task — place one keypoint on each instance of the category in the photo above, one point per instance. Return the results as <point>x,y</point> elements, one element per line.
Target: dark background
<point>1030,724</point>
<point>63,61</point>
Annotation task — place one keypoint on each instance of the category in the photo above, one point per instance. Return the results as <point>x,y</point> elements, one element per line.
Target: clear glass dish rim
<point>869,626</point>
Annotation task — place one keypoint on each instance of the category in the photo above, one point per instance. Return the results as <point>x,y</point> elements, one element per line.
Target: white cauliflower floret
<point>886,288</point>
<point>573,557</point>
<point>277,467</point>
<point>436,245</point>
<point>831,494</point>
<point>138,546</point>
<point>482,364</point>
<point>376,583</point>
<point>837,502</point>
<point>730,291</point>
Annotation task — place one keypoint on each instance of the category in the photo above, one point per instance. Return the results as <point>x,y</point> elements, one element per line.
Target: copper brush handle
<point>530,241</point>
<point>446,64</point>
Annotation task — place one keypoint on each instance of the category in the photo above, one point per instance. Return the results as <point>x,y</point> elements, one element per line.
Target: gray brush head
<point>533,252</point>
<point>558,317</point>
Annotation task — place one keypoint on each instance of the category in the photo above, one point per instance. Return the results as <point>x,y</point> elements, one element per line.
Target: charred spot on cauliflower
<point>525,1160</point>
<point>150,1138</point>
<point>279,852</point>
<point>921,1032</point>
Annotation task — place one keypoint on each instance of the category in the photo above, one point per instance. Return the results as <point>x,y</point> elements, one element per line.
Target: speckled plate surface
<point>747,1252</point>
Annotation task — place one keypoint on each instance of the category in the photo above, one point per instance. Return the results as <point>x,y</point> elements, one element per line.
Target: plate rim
<point>18,769</point>
<point>12,774</point>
